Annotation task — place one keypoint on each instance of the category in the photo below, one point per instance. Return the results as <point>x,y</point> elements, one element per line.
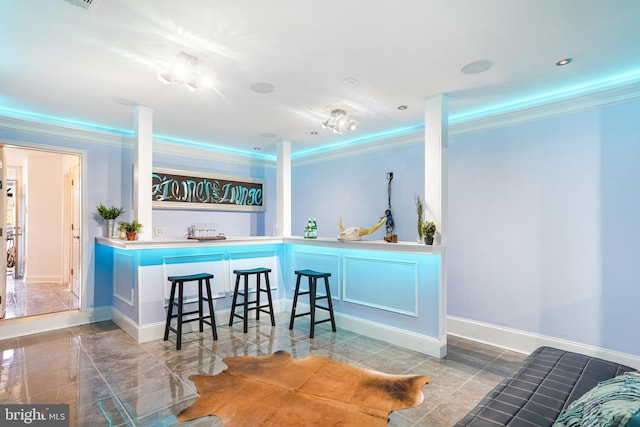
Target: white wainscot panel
<point>383,284</point>
<point>322,262</point>
<point>124,277</point>
<point>212,263</point>
<point>255,259</point>
<point>150,295</point>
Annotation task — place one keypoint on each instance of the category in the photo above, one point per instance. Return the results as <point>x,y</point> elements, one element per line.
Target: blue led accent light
<point>129,133</point>
<point>550,96</point>
<point>212,147</point>
<point>62,121</point>
<point>357,141</point>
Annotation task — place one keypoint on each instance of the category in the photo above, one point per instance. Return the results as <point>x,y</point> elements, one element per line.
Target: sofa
<point>542,389</point>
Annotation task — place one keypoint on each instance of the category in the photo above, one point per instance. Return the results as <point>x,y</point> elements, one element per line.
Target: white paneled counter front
<point>136,273</point>
<point>389,291</point>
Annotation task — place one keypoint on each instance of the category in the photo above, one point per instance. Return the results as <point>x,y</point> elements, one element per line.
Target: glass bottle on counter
<point>314,229</point>
<point>307,229</point>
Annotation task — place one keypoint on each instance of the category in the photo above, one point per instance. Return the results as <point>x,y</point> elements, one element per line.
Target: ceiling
<point>91,66</point>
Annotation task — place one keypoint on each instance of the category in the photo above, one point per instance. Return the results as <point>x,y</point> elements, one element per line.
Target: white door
<point>75,231</point>
<point>3,232</point>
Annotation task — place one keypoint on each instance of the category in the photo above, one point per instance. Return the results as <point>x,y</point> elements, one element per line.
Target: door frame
<point>24,326</point>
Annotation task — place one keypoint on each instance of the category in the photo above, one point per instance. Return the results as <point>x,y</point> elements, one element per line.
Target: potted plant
<point>109,214</point>
<point>130,228</point>
<point>428,230</point>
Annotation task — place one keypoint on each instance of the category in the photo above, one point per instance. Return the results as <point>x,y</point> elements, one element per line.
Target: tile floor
<point>109,380</point>
<point>37,298</point>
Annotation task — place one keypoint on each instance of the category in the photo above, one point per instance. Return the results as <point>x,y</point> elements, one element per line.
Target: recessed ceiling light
<point>257,148</point>
<point>262,87</point>
<point>476,67</point>
<point>402,107</point>
<point>564,61</point>
<point>313,132</point>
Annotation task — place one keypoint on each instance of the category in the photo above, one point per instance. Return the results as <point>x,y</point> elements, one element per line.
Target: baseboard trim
<point>155,331</point>
<point>401,337</point>
<point>411,340</point>
<point>21,326</point>
<point>526,342</point>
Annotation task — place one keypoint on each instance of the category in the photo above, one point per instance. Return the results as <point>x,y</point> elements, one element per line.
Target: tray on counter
<point>208,238</point>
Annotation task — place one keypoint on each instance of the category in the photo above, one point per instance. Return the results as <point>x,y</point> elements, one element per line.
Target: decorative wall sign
<point>176,189</point>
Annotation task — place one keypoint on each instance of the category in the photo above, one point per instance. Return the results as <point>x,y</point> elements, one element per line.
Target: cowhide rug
<point>277,390</point>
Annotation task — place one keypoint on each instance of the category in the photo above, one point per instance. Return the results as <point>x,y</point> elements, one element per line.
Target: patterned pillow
<point>612,403</point>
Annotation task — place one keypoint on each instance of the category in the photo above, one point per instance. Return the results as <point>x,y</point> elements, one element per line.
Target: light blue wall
<point>544,227</point>
<point>355,188</point>
<point>543,221</point>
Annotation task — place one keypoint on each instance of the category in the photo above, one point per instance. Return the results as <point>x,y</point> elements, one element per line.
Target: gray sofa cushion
<point>546,383</point>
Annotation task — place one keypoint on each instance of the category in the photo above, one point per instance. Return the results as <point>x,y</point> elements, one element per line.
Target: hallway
<point>37,298</point>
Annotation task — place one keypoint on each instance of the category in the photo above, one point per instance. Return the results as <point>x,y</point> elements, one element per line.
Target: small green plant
<point>428,228</point>
<point>129,227</point>
<point>109,213</point>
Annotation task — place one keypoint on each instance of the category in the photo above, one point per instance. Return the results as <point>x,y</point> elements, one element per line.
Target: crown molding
<point>213,154</point>
<point>612,95</point>
<point>377,145</point>
<point>64,131</point>
<point>123,140</point>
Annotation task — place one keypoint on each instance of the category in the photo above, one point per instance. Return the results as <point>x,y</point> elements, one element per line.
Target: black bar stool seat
<point>248,304</point>
<point>178,282</point>
<point>313,277</point>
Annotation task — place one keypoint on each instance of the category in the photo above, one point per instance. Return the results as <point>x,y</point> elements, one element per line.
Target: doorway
<point>43,232</point>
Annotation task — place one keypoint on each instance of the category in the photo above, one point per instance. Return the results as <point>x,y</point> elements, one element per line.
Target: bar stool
<point>313,299</point>
<point>178,282</point>
<point>246,303</point>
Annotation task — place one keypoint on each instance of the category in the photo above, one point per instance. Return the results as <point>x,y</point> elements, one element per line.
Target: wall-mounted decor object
<point>177,189</point>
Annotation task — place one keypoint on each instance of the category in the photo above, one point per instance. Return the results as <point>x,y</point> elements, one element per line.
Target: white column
<point>283,194</point>
<point>142,169</point>
<point>436,142</point>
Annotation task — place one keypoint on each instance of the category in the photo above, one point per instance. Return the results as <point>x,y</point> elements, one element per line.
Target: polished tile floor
<point>109,380</point>
<point>37,298</point>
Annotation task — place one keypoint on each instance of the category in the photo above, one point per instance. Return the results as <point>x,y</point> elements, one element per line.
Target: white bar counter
<point>389,291</point>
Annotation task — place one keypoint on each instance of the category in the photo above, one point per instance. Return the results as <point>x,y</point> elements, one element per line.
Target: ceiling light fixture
<point>564,61</point>
<point>186,70</point>
<point>339,122</point>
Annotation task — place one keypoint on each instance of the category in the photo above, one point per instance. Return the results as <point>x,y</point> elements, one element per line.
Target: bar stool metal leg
<point>200,310</point>
<point>212,318</point>
<point>266,279</point>
<point>170,310</point>
<point>245,305</point>
<point>180,302</point>
<point>312,301</point>
<point>330,304</point>
<point>235,300</point>
<point>295,301</point>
